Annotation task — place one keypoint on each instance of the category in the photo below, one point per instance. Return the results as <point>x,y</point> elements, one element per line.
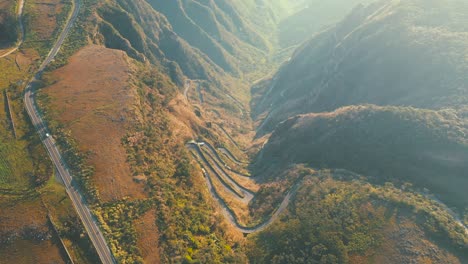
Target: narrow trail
<point>19,15</point>
<point>455,216</point>
<point>230,216</point>
<point>229,154</point>
<point>230,157</point>
<point>238,105</point>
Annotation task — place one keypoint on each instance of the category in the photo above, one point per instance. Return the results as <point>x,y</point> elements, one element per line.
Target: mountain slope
<point>315,17</point>
<point>338,217</point>
<point>136,80</point>
<point>426,147</point>
<point>407,53</point>
<point>142,32</point>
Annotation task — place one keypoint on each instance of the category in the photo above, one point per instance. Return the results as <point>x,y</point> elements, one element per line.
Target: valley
<point>207,132</point>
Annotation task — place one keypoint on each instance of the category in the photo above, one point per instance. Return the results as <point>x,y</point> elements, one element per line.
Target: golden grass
<point>402,227</point>
<point>43,14</point>
<point>148,237</point>
<point>96,102</point>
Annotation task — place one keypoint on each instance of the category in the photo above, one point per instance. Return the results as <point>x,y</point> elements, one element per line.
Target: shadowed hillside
<point>407,53</point>
<point>422,146</point>
<point>315,17</point>
<point>8,23</point>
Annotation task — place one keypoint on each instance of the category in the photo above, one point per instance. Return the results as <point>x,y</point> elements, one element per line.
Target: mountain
<point>147,103</point>
<point>231,35</point>
<point>338,217</point>
<point>369,119</point>
<point>114,102</point>
<point>389,53</point>
<point>314,17</point>
<point>121,27</point>
<point>218,29</point>
<point>426,147</point>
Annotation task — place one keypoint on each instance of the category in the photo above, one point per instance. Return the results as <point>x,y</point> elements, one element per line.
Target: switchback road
<point>89,222</point>
<point>227,212</point>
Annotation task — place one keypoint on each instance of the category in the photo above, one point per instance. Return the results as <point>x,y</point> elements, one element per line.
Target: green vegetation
<point>428,148</point>
<point>8,28</point>
<point>77,38</point>
<point>217,29</point>
<point>40,34</point>
<point>26,173</point>
<point>117,219</point>
<point>186,225</point>
<point>28,189</point>
<point>337,215</point>
<point>187,228</point>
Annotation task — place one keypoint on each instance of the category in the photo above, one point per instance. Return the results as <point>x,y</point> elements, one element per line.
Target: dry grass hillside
<point>28,190</point>
<point>44,17</point>
<point>94,99</point>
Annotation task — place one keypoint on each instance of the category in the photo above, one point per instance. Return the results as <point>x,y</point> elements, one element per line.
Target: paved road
<point>230,138</point>
<point>216,162</point>
<point>230,216</point>
<point>228,186</point>
<point>227,212</point>
<point>19,14</point>
<point>77,199</point>
<point>229,154</point>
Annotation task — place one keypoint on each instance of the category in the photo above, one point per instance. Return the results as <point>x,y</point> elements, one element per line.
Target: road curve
<point>231,188</point>
<point>230,216</point>
<point>89,222</point>
<point>246,193</point>
<point>227,212</point>
<point>224,166</point>
<point>19,14</point>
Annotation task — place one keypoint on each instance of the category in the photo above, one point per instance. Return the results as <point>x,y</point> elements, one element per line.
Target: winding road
<point>90,223</point>
<point>231,186</point>
<point>248,194</point>
<point>19,15</point>
<point>227,212</point>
